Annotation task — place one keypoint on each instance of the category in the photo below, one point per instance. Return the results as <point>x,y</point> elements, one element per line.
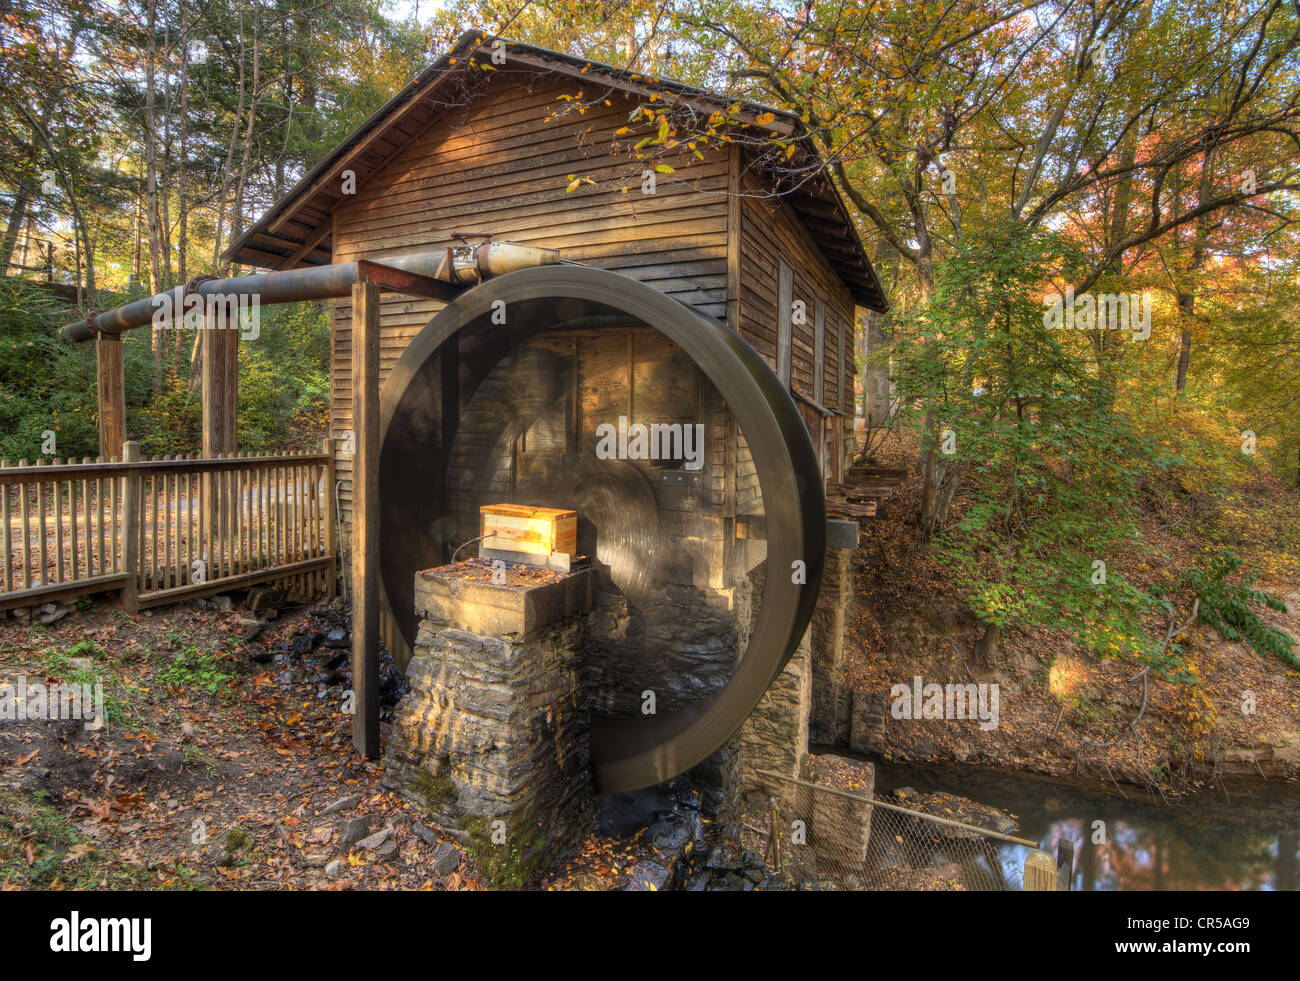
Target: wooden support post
<point>1064,865</point>
<point>220,430</point>
<point>220,385</point>
<point>112,394</point>
<point>1040,872</point>
<point>131,529</point>
<point>365,519</point>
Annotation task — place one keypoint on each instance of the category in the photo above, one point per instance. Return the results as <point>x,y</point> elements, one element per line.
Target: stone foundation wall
<point>832,698</point>
<point>491,740</point>
<point>775,736</point>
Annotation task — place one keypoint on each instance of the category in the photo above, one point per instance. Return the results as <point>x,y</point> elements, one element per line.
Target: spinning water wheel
<point>492,366</point>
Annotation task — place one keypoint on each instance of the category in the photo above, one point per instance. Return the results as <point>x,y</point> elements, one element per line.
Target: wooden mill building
<point>506,142</point>
<point>490,150</point>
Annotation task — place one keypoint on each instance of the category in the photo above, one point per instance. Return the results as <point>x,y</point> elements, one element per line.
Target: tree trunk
<point>151,189</point>
<point>1187,300</point>
<point>988,646</point>
<point>17,215</point>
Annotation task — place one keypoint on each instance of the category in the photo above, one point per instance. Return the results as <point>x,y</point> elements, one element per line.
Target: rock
<point>668,837</point>
<point>386,851</point>
<point>425,834</point>
<point>356,828</point>
<point>335,869</point>
<point>649,877</point>
<point>337,639</point>
<point>315,861</point>
<point>221,603</point>
<point>81,663</point>
<point>252,628</point>
<point>300,645</point>
<point>54,614</point>
<point>446,857</point>
<point>263,600</point>
<point>187,729</point>
<point>343,804</point>
<point>371,842</point>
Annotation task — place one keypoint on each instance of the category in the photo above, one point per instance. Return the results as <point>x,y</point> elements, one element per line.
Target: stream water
<point>1234,836</point>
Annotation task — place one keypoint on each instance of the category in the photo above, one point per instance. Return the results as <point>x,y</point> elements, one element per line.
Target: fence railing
<point>822,837</point>
<point>164,529</point>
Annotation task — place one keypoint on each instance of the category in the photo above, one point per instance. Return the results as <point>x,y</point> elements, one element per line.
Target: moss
<point>517,863</point>
<point>438,791</point>
<point>236,840</point>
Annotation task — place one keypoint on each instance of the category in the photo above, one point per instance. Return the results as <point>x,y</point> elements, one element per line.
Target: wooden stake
<point>131,530</point>
<point>365,520</point>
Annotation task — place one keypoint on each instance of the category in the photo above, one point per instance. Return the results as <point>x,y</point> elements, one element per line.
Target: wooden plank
<point>733,238</point>
<point>111,389</point>
<point>58,527</point>
<point>365,525</point>
<point>159,597</point>
<point>44,577</point>
<point>5,544</point>
<point>61,591</point>
<point>131,529</point>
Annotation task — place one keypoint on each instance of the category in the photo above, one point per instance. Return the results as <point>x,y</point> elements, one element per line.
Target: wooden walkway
<point>164,529</point>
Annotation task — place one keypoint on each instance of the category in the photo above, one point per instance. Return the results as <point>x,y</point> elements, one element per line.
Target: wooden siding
<point>497,167</point>
<point>771,237</point>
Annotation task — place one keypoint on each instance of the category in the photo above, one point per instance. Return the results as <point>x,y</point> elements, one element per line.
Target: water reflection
<point>1242,839</point>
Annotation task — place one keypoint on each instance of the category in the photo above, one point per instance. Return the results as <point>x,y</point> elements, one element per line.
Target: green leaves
<point>1230,607</point>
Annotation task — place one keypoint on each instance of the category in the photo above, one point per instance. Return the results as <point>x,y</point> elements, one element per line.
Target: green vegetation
<point>1231,607</point>
<point>192,669</point>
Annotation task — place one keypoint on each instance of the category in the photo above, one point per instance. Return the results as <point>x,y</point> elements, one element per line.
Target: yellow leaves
<point>766,119</point>
<point>663,128</point>
<point>623,131</point>
<point>576,182</point>
<point>789,151</point>
<point>664,169</point>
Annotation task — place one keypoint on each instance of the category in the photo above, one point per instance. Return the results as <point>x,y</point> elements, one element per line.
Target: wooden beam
<point>365,519</point>
<point>220,384</point>
<point>333,174</point>
<point>111,386</point>
<point>220,428</point>
<point>308,246</point>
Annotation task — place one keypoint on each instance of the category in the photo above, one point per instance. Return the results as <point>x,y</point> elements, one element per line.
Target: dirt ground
<point>215,771</point>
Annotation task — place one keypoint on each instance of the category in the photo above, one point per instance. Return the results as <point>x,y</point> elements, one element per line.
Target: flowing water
<point>1234,836</point>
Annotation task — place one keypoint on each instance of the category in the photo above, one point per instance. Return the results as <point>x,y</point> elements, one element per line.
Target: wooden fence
<point>165,529</point>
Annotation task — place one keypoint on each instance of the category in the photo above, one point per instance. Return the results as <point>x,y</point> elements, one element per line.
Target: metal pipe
<point>316,283</point>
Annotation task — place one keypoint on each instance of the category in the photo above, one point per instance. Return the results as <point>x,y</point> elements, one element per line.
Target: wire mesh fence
<point>824,838</point>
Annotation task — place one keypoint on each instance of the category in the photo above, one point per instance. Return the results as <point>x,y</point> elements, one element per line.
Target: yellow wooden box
<point>537,531</point>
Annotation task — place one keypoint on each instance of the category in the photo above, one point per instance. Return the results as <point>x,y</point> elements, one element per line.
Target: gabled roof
<point>297,229</point>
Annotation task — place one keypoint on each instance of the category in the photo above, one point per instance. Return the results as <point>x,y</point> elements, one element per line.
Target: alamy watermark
<point>1105,311</point>
<point>654,442</point>
<point>950,701</point>
<point>228,311</point>
<point>21,702</point>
